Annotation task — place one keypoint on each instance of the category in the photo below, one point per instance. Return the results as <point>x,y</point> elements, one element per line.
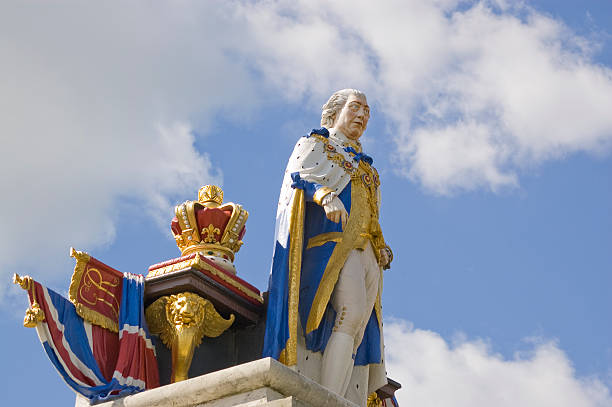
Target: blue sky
<point>491,128</point>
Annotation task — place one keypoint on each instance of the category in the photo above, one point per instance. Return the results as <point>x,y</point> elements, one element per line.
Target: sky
<point>491,129</point>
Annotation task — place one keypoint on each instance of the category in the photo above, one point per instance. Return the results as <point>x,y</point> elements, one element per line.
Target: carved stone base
<point>264,382</point>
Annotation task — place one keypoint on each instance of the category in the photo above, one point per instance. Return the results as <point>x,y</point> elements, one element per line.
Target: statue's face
<point>353,118</point>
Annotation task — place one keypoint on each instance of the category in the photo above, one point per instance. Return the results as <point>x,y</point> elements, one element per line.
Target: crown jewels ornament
<point>210,227</point>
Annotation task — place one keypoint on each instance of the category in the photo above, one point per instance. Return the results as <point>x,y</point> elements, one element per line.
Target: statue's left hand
<point>384,258</point>
<point>335,211</point>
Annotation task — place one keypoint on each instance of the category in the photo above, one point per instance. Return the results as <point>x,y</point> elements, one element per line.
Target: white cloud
<point>475,92</point>
<point>467,373</point>
<point>98,102</point>
<point>98,105</point>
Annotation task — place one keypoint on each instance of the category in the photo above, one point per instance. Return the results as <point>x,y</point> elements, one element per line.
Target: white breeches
<point>353,300</point>
<point>355,293</point>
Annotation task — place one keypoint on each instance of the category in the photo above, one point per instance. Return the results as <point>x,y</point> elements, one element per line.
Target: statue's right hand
<point>335,211</point>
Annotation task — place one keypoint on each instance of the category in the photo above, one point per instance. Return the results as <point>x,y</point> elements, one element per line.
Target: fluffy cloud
<point>475,91</point>
<point>99,103</point>
<point>98,107</point>
<point>434,373</point>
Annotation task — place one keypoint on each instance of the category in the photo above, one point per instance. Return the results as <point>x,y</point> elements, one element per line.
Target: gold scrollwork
<point>181,265</point>
<point>250,293</point>
<point>80,272</point>
<point>199,264</point>
<point>93,279</point>
<point>205,248</point>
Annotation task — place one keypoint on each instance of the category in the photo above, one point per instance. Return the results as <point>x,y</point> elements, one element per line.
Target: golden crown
<point>208,226</point>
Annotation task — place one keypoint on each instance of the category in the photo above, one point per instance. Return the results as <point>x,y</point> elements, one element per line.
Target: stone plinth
<point>263,382</point>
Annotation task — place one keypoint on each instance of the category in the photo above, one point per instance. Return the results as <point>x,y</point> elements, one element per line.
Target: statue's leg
<point>372,281</point>
<point>337,362</point>
<point>348,301</point>
<point>357,388</point>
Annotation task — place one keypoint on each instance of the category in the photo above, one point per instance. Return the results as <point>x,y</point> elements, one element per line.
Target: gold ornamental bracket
<point>181,320</point>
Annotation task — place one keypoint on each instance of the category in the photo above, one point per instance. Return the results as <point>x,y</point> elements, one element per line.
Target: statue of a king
<point>324,302</point>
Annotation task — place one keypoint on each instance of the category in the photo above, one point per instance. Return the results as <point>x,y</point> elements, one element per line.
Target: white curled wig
<point>335,103</point>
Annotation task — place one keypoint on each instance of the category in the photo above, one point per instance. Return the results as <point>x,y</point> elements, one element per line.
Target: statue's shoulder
<point>313,143</point>
<point>321,134</point>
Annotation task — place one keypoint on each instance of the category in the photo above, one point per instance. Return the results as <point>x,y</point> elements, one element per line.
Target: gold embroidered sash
<point>352,230</point>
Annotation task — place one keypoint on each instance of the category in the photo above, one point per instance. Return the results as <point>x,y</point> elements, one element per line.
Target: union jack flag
<point>92,360</point>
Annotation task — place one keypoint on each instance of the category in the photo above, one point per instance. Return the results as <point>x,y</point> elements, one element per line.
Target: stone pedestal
<point>263,382</point>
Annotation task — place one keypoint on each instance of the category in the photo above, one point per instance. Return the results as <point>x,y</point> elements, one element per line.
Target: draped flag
<point>93,360</point>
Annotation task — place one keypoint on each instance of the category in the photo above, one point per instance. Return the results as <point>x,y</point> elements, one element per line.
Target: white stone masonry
<point>263,382</point>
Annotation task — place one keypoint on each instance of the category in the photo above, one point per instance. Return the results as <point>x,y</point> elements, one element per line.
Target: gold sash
<point>352,231</point>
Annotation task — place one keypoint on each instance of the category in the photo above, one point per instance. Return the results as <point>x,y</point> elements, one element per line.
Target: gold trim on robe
<point>320,194</point>
<point>288,355</point>
<point>320,240</point>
